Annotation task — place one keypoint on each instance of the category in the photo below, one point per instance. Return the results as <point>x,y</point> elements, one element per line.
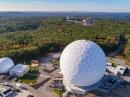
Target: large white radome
<point>5,64</point>
<point>83,63</point>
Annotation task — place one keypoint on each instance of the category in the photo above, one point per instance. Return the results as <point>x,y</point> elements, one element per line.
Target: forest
<point>26,38</point>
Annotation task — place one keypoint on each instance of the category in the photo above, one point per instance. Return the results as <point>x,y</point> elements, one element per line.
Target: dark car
<point>30,96</point>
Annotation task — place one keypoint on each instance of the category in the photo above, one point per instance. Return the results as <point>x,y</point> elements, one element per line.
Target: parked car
<point>30,96</point>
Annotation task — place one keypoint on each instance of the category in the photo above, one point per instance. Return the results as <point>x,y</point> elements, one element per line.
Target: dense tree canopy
<point>29,37</point>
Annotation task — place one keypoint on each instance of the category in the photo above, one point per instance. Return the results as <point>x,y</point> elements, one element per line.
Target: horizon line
<point>68,11</point>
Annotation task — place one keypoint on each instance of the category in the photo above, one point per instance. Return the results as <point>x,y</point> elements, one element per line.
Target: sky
<point>66,5</point>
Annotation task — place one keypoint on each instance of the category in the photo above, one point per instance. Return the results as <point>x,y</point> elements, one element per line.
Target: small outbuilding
<point>34,63</point>
<point>19,70</point>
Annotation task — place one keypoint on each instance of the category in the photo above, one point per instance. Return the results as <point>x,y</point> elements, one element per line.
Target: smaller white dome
<point>5,64</point>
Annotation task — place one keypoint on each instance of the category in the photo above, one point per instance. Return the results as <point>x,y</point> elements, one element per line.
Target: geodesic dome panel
<point>82,63</point>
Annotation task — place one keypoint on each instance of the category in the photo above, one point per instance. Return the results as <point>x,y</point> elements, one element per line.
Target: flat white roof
<point>109,63</point>
<point>3,88</point>
<point>116,70</point>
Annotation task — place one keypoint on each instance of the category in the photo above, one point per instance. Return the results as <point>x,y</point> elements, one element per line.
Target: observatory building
<point>88,22</point>
<point>83,65</point>
<point>5,65</point>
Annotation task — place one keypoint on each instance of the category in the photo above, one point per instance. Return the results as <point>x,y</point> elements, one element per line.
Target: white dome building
<point>82,63</point>
<point>5,65</point>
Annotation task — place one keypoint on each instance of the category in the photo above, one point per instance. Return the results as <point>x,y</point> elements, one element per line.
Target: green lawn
<point>31,77</point>
<point>59,93</point>
<point>55,62</point>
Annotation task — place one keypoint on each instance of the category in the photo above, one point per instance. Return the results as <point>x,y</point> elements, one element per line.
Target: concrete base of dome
<point>82,90</point>
<point>105,85</point>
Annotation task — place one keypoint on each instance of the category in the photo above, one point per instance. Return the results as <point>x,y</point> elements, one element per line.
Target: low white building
<point>121,70</point>
<point>110,68</point>
<point>118,70</point>
<point>19,70</point>
<point>109,64</point>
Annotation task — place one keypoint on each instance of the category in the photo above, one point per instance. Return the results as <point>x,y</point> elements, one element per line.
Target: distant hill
<point>59,14</point>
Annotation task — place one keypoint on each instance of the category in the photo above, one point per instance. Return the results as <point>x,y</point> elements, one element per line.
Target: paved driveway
<point>46,91</point>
